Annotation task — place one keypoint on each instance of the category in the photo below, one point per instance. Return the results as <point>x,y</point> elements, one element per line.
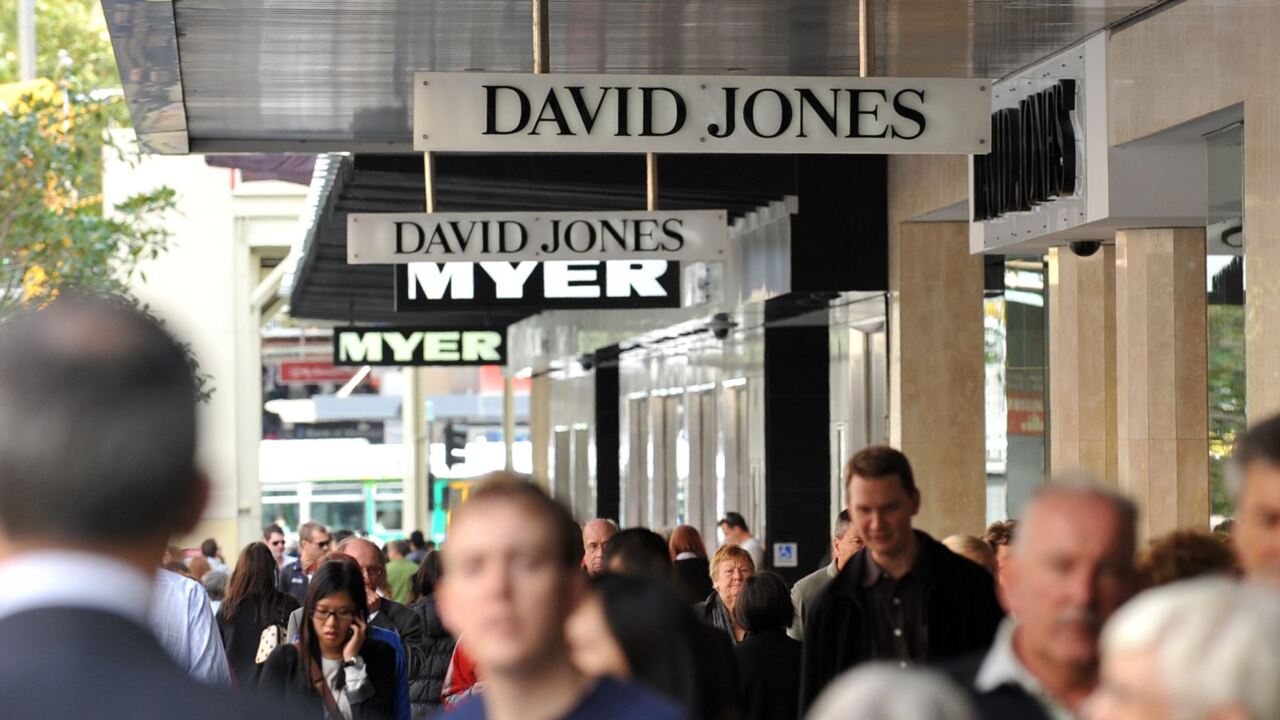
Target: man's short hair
<point>1213,640</point>
<point>209,548</point>
<point>1260,443</point>
<point>842,523</point>
<point>270,530</point>
<point>309,529</point>
<point>417,539</point>
<point>735,520</point>
<point>97,424</point>
<point>1000,533</point>
<point>881,461</point>
<point>638,551</point>
<point>400,546</point>
<point>1081,486</point>
<point>505,487</point>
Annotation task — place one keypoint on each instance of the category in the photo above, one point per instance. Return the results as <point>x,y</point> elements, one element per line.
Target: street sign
<point>394,238</point>
<point>626,113</point>
<point>418,346</point>
<point>553,285</point>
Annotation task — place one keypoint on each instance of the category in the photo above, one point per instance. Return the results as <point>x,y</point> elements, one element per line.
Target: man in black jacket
<point>313,545</point>
<point>904,597</point>
<point>385,612</point>
<point>97,471</point>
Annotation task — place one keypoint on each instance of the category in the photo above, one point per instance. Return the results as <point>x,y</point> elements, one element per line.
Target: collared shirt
<point>899,628</point>
<point>183,622</point>
<point>1002,667</point>
<point>61,578</point>
<point>805,592</point>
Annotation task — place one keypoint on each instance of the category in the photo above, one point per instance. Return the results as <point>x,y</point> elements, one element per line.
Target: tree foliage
<point>71,35</point>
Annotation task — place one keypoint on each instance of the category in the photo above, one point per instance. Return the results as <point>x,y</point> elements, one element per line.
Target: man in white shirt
<point>97,472</point>
<point>183,622</point>
<point>1071,567</point>
<point>736,532</point>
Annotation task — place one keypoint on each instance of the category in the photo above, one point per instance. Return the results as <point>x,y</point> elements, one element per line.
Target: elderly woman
<point>730,568</point>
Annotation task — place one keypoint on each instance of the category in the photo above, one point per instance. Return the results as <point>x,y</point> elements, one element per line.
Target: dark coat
<point>426,686</point>
<point>693,578</point>
<point>713,612</point>
<point>394,616</point>
<point>240,637</point>
<point>961,612</point>
<point>1006,702</point>
<point>285,678</point>
<point>292,581</point>
<point>769,667</point>
<point>717,675</point>
<point>64,662</point>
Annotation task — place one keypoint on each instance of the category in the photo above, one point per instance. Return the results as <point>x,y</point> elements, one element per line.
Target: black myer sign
<point>575,285</point>
<point>513,112</point>
<point>1033,155</point>
<point>418,346</point>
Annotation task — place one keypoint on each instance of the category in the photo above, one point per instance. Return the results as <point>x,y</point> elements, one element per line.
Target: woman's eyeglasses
<point>343,615</point>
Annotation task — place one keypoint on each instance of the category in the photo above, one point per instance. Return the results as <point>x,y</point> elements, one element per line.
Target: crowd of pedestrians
<point>524,613</point>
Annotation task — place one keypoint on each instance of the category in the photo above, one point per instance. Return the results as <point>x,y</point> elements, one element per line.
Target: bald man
<point>595,535</point>
<point>385,612</point>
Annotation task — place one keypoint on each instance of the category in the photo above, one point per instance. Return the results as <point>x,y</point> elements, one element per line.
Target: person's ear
<point>187,517</point>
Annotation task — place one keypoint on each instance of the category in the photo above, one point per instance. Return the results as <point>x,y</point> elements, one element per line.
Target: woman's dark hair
<point>429,571</point>
<point>333,577</point>
<point>657,632</point>
<point>254,581</point>
<point>764,604</point>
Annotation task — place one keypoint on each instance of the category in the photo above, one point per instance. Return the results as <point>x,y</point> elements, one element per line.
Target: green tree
<point>70,35</point>
<point>1226,396</point>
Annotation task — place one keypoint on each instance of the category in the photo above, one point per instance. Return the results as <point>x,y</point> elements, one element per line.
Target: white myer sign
<point>395,238</point>
<point>517,112</point>
<point>413,346</point>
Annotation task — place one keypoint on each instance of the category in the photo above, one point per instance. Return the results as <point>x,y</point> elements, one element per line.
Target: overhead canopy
<point>335,75</point>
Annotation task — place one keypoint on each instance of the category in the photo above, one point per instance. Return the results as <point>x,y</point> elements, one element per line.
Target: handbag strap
<point>322,687</point>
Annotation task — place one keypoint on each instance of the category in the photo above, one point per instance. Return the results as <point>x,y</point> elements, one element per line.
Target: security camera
<point>587,361</point>
<point>721,325</point>
<point>1085,248</point>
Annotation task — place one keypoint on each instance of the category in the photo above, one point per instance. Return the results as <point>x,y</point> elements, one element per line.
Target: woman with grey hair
<point>1192,650</point>
<point>884,691</point>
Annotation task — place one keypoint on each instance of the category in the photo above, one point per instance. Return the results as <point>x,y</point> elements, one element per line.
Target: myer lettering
<point>698,114</point>
<point>538,285</point>
<point>394,238</point>
<point>414,346</point>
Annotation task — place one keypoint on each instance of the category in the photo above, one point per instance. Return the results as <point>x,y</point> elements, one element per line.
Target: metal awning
<point>334,75</point>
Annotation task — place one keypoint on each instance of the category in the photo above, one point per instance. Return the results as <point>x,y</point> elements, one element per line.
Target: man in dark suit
<point>385,612</point>
<point>1070,568</point>
<point>97,472</point>
<point>904,598</point>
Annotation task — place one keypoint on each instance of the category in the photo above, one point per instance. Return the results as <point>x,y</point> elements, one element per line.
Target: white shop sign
<point>520,112</point>
<point>397,238</point>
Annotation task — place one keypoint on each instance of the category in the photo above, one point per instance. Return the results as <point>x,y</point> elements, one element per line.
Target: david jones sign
<point>1033,157</point>
<point>394,238</point>
<point>540,285</point>
<point>507,112</point>
<point>415,346</point>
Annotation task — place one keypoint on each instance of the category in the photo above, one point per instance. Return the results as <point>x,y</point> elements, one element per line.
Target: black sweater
<point>285,679</point>
<point>426,686</point>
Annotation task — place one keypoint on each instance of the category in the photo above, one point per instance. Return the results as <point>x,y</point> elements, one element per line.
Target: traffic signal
<point>455,444</point>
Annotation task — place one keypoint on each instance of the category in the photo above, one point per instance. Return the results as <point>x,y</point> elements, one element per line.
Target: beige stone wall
<point>935,357</point>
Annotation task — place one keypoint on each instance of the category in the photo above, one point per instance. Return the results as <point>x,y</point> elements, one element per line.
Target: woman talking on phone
<point>335,666</point>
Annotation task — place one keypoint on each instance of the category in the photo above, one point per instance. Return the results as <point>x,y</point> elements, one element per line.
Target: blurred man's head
<point>313,543</point>
<point>999,536</point>
<point>882,499</point>
<point>595,535</point>
<point>397,549</point>
<point>1202,648</point>
<point>846,542</point>
<point>510,593</point>
<point>97,429</point>
<point>209,548</point>
<point>638,551</point>
<point>273,538</point>
<point>370,559</point>
<point>1255,484</point>
<point>734,527</point>
<point>1071,568</point>
<point>417,540</point>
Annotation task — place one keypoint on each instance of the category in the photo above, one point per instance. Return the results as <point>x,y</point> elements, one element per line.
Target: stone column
<point>1262,255</point>
<point>540,428</point>
<point>1082,364</point>
<point>936,375</point>
<point>1162,376</point>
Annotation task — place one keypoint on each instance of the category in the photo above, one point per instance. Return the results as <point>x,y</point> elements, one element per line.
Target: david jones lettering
<point>763,113</point>
<point>580,237</point>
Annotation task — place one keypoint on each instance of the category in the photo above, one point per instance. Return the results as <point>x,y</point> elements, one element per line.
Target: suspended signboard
<point>395,238</point>
<point>418,346</point>
<point>518,112</point>
<point>577,285</point>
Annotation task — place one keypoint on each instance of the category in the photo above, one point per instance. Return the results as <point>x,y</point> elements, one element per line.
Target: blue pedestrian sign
<point>785,554</point>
